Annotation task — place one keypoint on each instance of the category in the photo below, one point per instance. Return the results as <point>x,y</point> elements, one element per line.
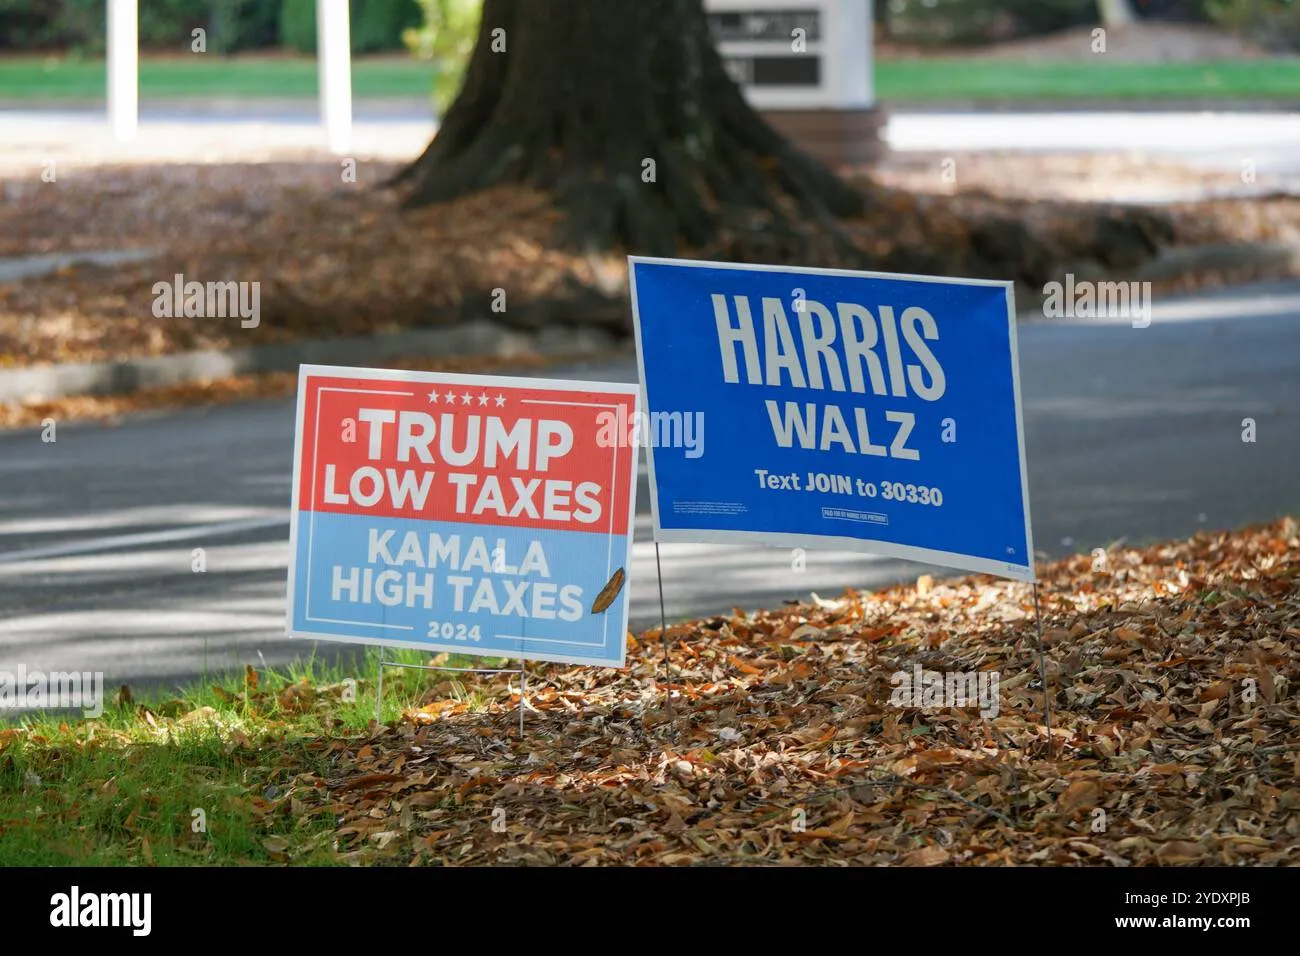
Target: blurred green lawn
<point>37,79</point>
<point>922,80</point>
<point>49,79</point>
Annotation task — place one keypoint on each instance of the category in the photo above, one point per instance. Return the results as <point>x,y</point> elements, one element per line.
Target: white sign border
<point>962,562</point>
<point>455,378</point>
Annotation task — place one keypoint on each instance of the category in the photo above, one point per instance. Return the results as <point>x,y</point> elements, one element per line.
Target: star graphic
<point>433,398</point>
<point>466,398</point>
<point>483,399</point>
<point>501,400</point>
<point>451,398</point>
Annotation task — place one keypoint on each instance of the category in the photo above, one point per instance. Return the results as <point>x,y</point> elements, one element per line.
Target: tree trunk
<point>623,110</point>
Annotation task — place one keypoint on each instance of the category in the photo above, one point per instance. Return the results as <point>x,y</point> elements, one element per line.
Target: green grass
<point>53,79</point>
<point>123,789</point>
<point>920,80</point>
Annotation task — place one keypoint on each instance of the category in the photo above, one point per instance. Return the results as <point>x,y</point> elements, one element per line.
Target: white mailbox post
<point>807,65</point>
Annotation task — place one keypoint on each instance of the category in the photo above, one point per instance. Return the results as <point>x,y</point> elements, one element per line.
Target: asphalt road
<point>1131,433</point>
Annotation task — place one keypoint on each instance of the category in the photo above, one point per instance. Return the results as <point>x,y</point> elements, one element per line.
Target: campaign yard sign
<point>466,513</point>
<point>846,411</point>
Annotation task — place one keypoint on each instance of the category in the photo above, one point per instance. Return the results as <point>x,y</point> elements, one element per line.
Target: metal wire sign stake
<point>663,635</point>
<point>1042,671</point>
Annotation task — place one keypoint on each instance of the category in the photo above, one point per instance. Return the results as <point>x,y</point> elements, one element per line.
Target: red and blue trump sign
<point>847,411</point>
<point>463,513</point>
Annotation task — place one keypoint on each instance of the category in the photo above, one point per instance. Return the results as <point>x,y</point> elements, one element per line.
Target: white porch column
<point>334,60</point>
<point>123,70</point>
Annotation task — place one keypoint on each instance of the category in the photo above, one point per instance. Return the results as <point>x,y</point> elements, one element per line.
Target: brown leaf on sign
<point>609,592</point>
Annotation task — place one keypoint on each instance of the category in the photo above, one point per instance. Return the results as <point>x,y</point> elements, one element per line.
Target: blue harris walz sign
<point>845,411</point>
